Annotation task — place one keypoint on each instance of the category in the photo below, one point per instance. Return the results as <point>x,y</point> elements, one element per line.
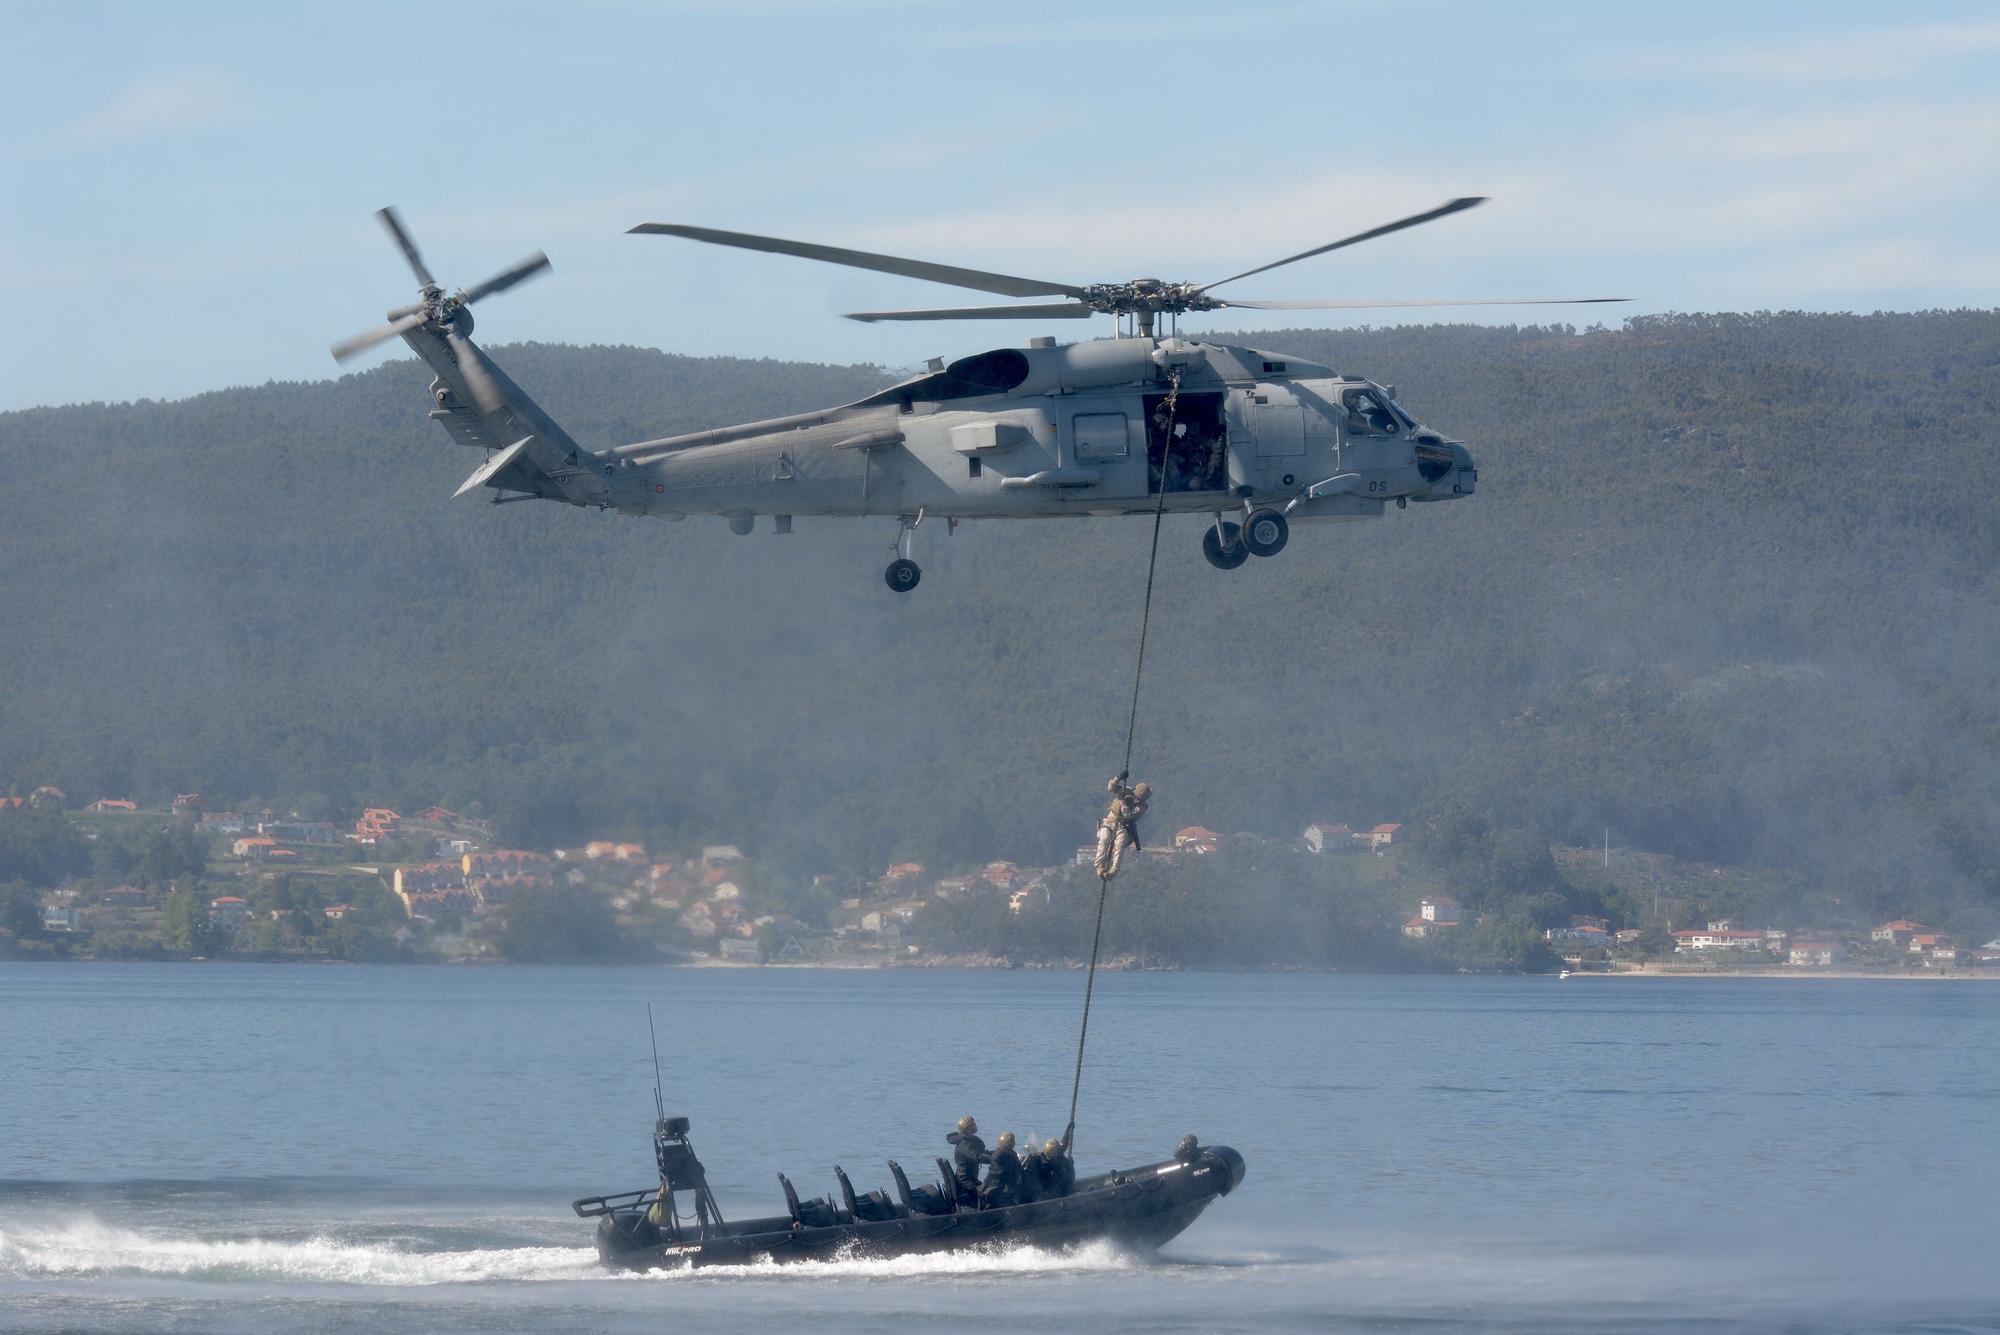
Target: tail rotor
<point>444,315</point>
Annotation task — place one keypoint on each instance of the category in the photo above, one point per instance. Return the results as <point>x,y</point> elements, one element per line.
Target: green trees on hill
<point>558,925</point>
<point>1728,588</point>
<point>39,848</point>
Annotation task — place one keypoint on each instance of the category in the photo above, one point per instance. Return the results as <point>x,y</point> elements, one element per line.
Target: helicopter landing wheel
<point>1265,533</point>
<point>1226,550</point>
<point>902,574</point>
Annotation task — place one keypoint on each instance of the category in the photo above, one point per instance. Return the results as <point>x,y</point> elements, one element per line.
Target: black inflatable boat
<point>1140,1207</point>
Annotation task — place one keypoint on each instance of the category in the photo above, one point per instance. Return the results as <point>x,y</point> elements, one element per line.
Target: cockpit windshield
<point>1370,414</point>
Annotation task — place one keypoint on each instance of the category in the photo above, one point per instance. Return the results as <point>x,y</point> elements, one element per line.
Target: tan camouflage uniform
<point>1119,829</point>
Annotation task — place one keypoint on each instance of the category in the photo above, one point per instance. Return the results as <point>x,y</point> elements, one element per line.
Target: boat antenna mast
<point>659,1102</point>
<point>680,1170</point>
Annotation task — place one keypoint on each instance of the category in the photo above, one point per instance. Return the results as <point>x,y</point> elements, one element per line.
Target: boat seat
<point>815,1213</point>
<point>924,1200</point>
<point>872,1208</point>
<point>948,1181</point>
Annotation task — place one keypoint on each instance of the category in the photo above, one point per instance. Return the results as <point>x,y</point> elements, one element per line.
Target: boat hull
<point>1138,1208</point>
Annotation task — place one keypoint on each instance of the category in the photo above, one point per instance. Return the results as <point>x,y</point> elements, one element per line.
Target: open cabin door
<point>1194,456</point>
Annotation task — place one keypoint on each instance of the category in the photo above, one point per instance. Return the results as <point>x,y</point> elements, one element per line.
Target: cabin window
<point>972,466</point>
<point>1099,437</point>
<point>1369,414</point>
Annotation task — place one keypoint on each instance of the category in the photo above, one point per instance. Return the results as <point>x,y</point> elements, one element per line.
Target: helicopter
<point>1144,422</point>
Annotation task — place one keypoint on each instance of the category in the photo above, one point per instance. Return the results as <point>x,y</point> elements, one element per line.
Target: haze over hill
<point>1728,588</point>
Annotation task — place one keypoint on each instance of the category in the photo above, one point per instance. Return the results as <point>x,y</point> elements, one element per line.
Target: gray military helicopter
<point>1140,422</point>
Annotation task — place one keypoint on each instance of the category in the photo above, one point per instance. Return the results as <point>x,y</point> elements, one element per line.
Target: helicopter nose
<point>1464,475</point>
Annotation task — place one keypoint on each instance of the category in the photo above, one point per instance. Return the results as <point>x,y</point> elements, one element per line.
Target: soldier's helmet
<point>1052,1148</point>
<point>966,1126</point>
<point>1142,790</point>
<point>1006,1141</point>
<point>1187,1148</point>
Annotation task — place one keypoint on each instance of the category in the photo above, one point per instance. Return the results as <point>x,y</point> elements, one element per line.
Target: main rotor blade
<point>1442,301</point>
<point>394,223</point>
<point>1061,310</point>
<point>360,343</point>
<point>1414,220</point>
<point>506,278</point>
<point>979,279</point>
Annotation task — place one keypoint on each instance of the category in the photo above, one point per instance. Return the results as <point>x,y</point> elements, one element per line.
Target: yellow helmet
<point>1142,790</point>
<point>966,1126</point>
<point>1006,1141</point>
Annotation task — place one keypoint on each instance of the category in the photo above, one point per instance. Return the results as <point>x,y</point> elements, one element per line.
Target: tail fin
<point>475,400</point>
<point>537,456</point>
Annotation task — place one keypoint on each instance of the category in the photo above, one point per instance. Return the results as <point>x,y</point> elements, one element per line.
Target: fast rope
<point>1166,418</point>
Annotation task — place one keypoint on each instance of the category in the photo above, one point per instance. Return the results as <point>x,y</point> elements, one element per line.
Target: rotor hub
<point>1150,296</point>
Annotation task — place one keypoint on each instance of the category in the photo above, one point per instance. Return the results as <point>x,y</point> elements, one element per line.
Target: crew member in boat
<point>968,1153</point>
<point>1056,1170</point>
<point>1003,1176</point>
<point>1031,1174</point>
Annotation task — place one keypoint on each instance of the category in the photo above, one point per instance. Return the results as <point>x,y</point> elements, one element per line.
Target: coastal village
<point>436,884</point>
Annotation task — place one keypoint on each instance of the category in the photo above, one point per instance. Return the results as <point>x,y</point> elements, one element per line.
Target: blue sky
<point>189,187</point>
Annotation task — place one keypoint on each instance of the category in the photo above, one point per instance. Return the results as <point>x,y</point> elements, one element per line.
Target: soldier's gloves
<point>1124,774</point>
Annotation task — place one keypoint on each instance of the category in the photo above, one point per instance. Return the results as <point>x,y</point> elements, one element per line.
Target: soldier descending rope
<point>1119,829</point>
<point>1120,826</point>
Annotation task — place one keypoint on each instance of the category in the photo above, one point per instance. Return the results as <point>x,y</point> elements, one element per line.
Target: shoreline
<point>1830,975</point>
<point>1127,965</point>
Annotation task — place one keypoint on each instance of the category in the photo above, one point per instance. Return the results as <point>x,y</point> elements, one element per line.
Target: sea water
<point>252,1147</point>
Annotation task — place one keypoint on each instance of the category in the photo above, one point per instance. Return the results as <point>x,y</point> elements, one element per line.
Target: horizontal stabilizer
<point>487,471</point>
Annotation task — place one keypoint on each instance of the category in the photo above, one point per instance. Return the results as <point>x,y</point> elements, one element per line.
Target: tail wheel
<point>902,574</point>
<point>1224,552</point>
<point>1265,533</point>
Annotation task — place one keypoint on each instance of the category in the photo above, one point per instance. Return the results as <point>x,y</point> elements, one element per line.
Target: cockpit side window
<point>1369,414</point>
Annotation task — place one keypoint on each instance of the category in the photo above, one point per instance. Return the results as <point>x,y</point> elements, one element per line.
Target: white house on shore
<point>1436,913</point>
<point>1322,835</point>
<point>1717,937</point>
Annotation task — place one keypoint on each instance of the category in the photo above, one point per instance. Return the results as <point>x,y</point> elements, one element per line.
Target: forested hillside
<point>1728,588</point>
